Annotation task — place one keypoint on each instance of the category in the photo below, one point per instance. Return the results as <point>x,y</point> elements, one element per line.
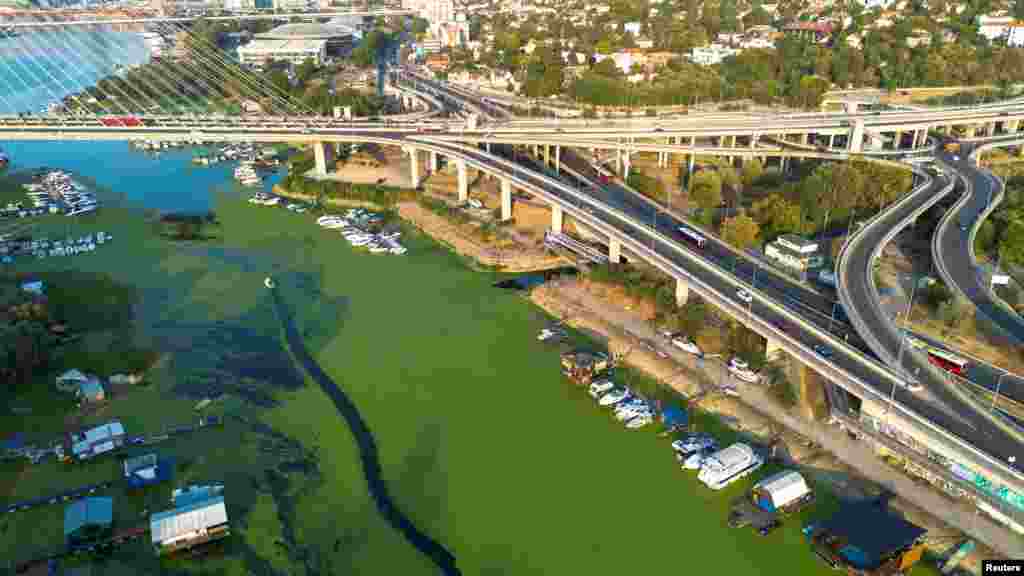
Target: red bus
<point>692,236</point>
<point>947,361</point>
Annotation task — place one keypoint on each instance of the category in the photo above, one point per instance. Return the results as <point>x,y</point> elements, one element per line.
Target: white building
<point>1015,34</point>
<point>261,50</point>
<point>292,5</point>
<point>993,27</point>
<point>794,252</point>
<point>189,525</point>
<point>239,5</point>
<point>710,55</point>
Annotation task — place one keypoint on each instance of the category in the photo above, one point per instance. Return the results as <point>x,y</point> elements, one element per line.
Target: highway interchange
<point>799,319</point>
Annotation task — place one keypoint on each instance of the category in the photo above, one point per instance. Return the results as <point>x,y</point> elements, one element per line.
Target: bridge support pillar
<point>558,159</point>
<point>320,155</point>
<point>625,166</point>
<point>897,138</point>
<point>690,163</point>
<point>487,147</point>
<point>772,350</point>
<point>547,155</point>
<point>460,166</point>
<point>433,162</point>
<point>682,292</point>
<point>1013,126</point>
<point>614,251</point>
<point>506,199</point>
<point>831,141</point>
<point>414,167</point>
<point>857,137</point>
<point>556,218</point>
<point>971,131</point>
<point>805,138</point>
<point>990,129</point>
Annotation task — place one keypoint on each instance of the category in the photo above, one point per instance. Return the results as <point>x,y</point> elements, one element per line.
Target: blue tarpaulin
<point>13,443</point>
<point>674,416</point>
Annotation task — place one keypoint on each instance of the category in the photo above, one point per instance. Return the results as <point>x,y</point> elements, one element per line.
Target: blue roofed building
<point>88,520</point>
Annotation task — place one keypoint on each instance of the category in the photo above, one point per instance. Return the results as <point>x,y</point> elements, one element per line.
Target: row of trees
<point>829,193</point>
<point>797,71</point>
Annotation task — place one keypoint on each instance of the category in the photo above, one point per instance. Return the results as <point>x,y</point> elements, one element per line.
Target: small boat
<point>614,397</point>
<point>269,283</point>
<point>640,421</point>
<point>600,388</point>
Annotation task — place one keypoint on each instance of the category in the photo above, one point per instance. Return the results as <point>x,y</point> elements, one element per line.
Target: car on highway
<point>745,296</point>
<point>823,351</point>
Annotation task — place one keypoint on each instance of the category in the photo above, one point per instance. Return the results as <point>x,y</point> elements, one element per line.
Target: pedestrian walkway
<point>857,455</point>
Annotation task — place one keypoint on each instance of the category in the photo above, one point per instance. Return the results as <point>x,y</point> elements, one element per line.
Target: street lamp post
<point>906,319</point>
<point>996,395</point>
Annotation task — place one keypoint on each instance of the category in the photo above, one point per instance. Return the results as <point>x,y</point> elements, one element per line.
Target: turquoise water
<point>167,182</point>
<point>42,67</point>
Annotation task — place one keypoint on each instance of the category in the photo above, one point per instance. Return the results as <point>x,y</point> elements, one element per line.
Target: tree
<point>776,215</point>
<point>740,231</point>
<point>727,13</point>
<point>752,169</point>
<point>706,192</point>
<point>1011,249</point>
<point>1018,9</point>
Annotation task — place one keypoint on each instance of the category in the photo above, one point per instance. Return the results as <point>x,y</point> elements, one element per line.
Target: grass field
<point>483,444</point>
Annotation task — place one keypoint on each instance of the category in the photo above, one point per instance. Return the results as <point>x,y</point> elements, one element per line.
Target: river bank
<point>508,254</point>
<point>627,332</point>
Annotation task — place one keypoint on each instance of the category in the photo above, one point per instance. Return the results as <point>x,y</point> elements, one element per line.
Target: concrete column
<point>614,251</point>
<point>487,147</point>
<point>463,180</point>
<point>772,349</point>
<point>753,141</point>
<point>1013,126</point>
<point>618,161</point>
<point>682,292</point>
<point>506,199</point>
<point>547,155</point>
<point>897,136</point>
<point>831,140</point>
<point>971,131</point>
<point>556,218</point>
<point>414,167</point>
<point>805,138</point>
<point>625,167</point>
<point>558,159</point>
<point>320,156</point>
<point>433,162</point>
<point>990,130</point>
<point>857,137</point>
<point>691,162</point>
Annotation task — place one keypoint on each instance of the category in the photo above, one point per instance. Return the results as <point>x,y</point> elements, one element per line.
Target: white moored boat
<point>728,465</point>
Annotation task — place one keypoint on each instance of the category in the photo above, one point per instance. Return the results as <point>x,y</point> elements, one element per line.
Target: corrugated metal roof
<point>784,487</point>
<point>308,30</point>
<point>173,524</point>
<point>88,511</point>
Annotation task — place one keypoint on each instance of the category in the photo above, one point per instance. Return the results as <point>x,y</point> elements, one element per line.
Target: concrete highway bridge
<point>940,420</point>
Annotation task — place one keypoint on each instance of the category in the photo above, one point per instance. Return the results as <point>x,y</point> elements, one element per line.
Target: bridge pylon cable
<point>174,76</point>
<point>151,93</point>
<point>65,38</point>
<point>268,88</point>
<point>45,85</point>
<point>206,59</point>
<point>58,61</point>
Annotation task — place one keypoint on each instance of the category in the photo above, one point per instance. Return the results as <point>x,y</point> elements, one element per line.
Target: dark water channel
<point>534,279</point>
<point>367,447</point>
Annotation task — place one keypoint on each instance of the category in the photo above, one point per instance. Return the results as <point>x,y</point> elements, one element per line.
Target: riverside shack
<point>865,539</point>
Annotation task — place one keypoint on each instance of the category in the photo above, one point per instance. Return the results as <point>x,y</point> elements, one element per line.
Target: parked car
<point>745,296</point>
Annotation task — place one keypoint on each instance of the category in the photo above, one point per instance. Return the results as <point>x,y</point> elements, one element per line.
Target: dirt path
<point>510,258</point>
